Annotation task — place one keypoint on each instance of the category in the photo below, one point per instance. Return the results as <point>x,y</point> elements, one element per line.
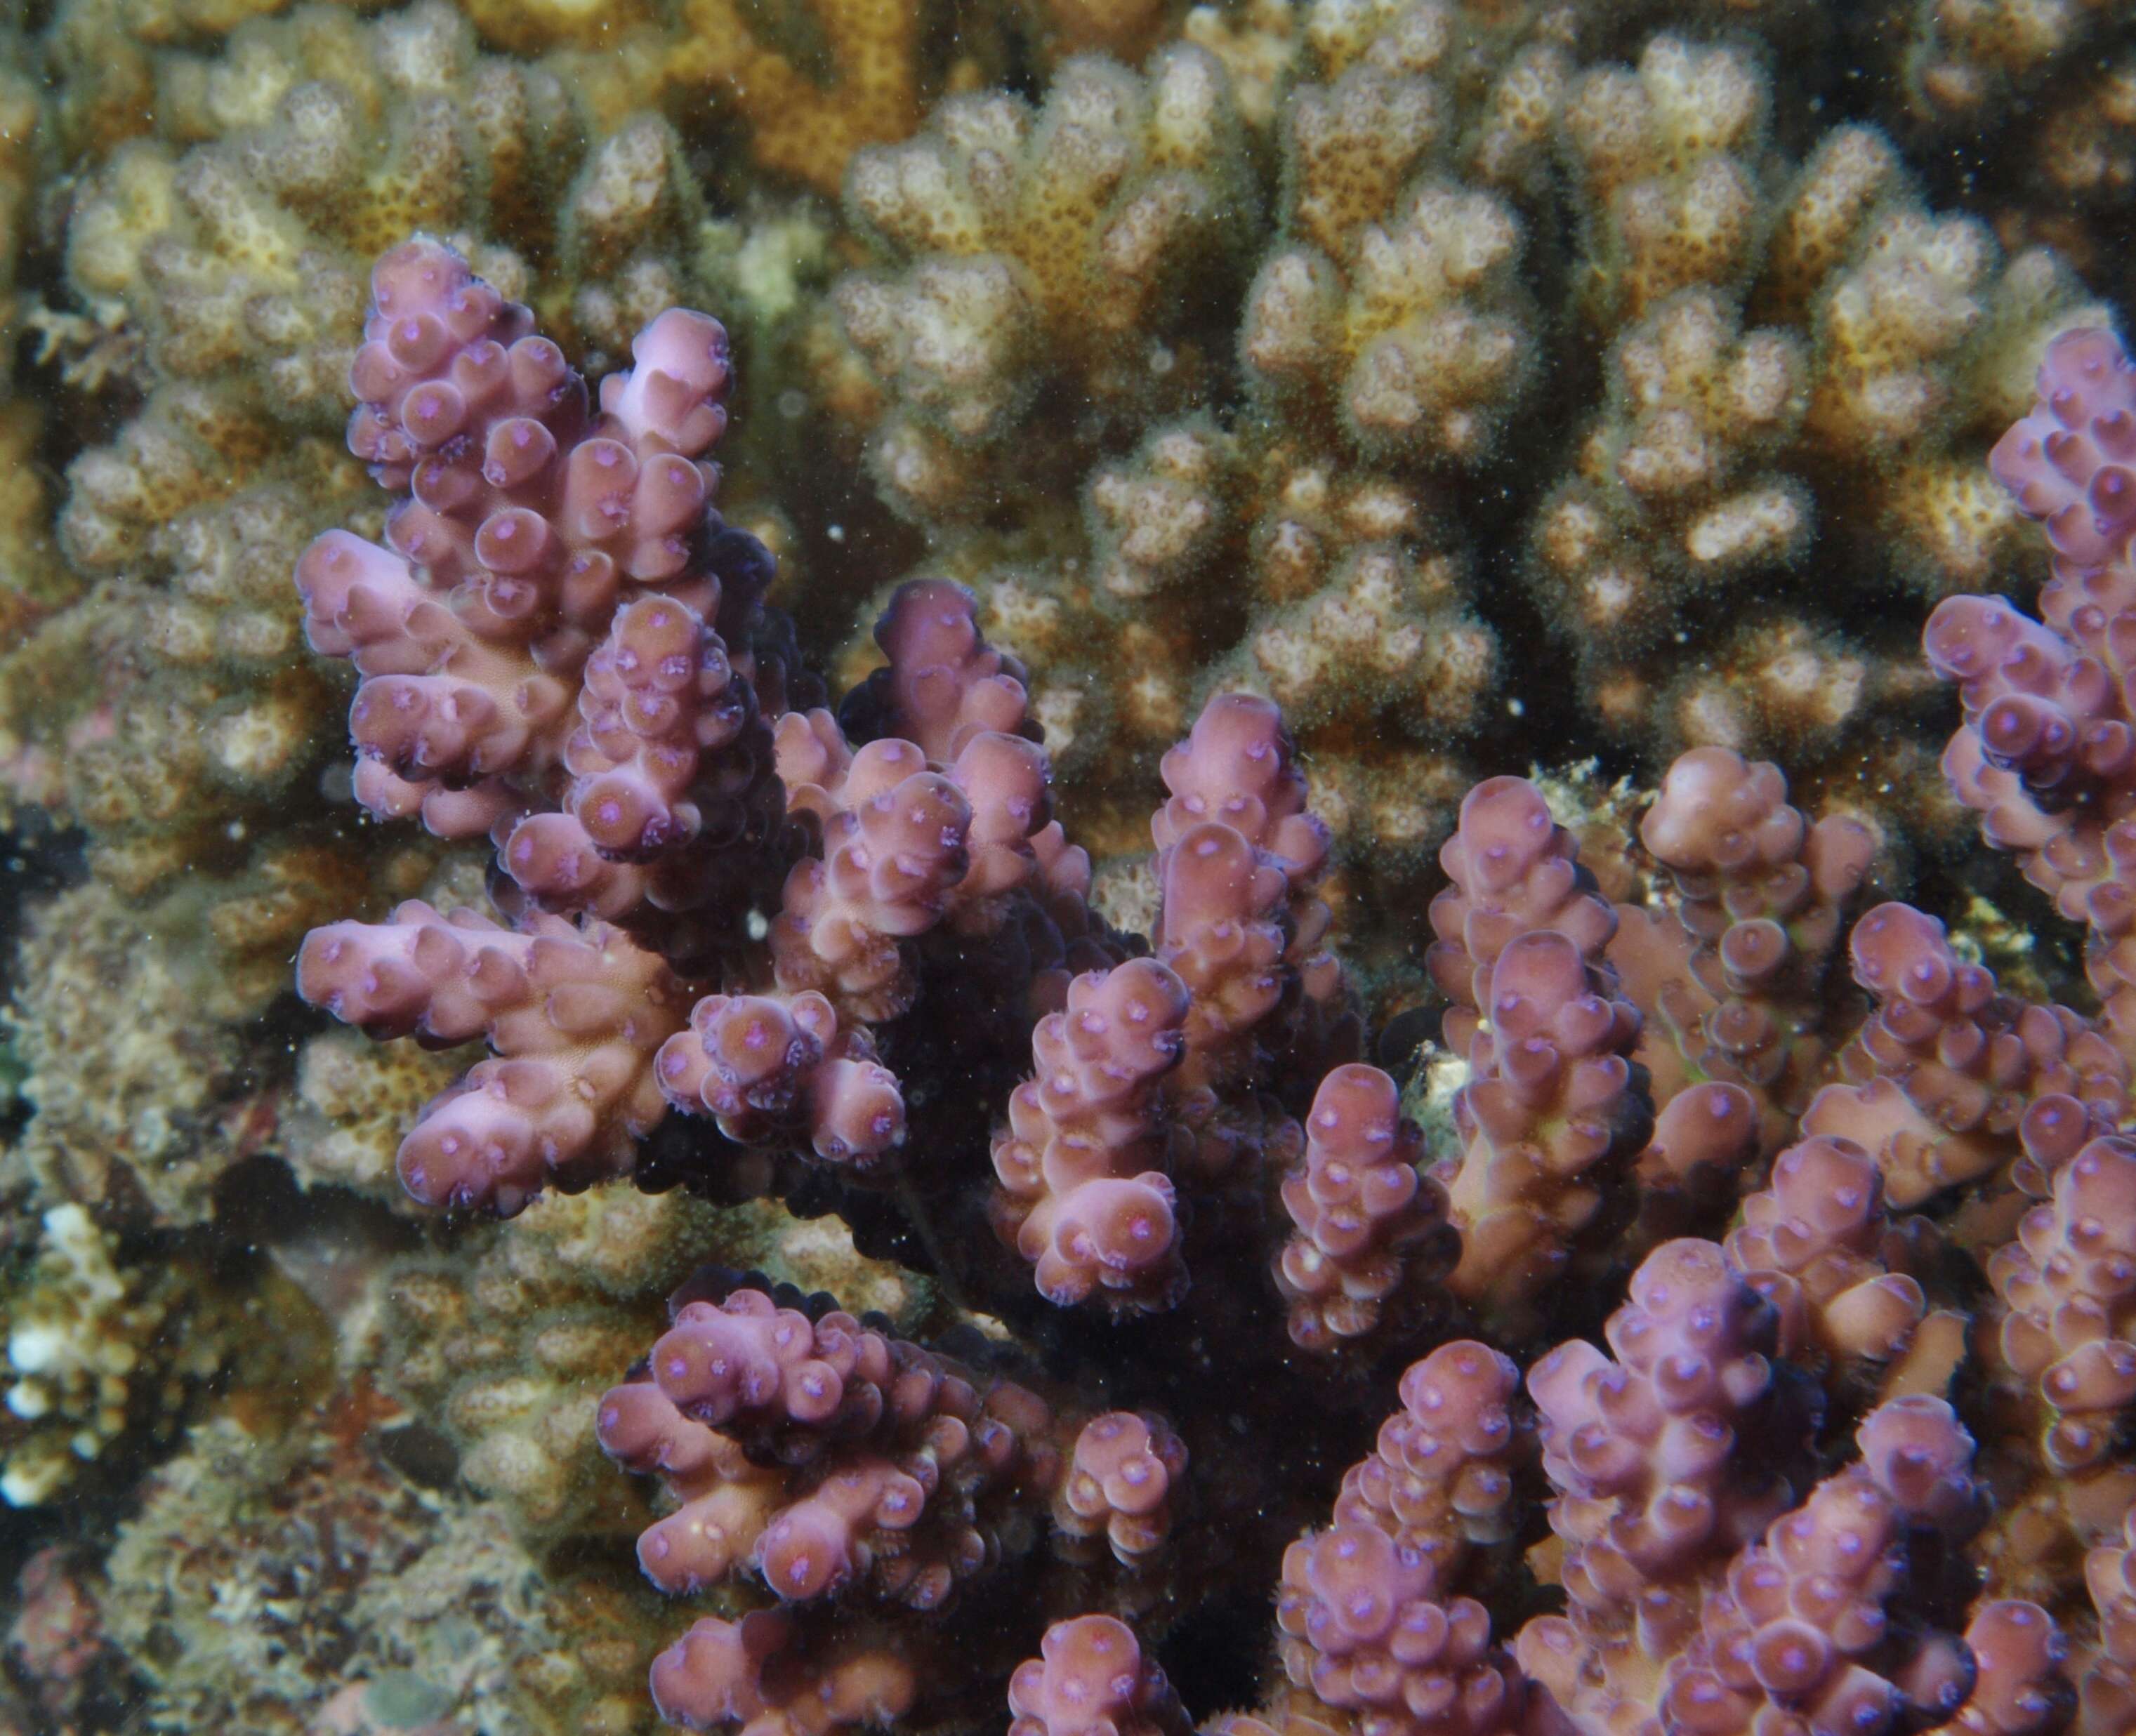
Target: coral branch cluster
<point>1693,1197</point>
<point>1198,1245</point>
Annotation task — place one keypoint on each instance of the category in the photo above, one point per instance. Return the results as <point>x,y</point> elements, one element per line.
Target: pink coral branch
<point>751,1678</point>
<point>525,520</point>
<point>2018,1685</point>
<point>1514,871</point>
<point>1366,1630</point>
<point>1552,1107</point>
<point>2071,461</point>
<point>1221,928</point>
<point>1797,1628</point>
<point>1664,1459</point>
<point>1122,1475</point>
<point>1085,1193</point>
<point>944,684</point>
<point>660,699</point>
<point>1951,1070</point>
<point>2068,1286</point>
<point>1367,1223</point>
<point>1816,1244</point>
<point>439,702</point>
<point>1761,894</point>
<point>2047,755</point>
<point>1439,1478</point>
<point>894,850</point>
<point>1238,767</point>
<point>1367,1618</point>
<point>780,1068</point>
<point>830,1455</point>
<point>1090,1679</point>
<point>574,1013</point>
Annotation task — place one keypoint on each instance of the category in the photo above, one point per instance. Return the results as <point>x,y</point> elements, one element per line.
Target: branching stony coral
<point>1046,261</point>
<point>112,1341</point>
<point>1894,338</point>
<point>807,84</point>
<point>76,1334</point>
<point>1349,422</point>
<point>1961,56</point>
<point>231,241</point>
<point>1800,365</point>
<point>799,127</point>
<point>2051,98</point>
<point>1211,1240</point>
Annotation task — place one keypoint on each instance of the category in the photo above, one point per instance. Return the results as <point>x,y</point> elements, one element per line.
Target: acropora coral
<point>925,976</point>
<point>784,923</point>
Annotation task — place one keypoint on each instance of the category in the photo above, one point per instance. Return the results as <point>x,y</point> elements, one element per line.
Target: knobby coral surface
<point>1571,292</point>
<point>744,940</point>
<point>984,1259</point>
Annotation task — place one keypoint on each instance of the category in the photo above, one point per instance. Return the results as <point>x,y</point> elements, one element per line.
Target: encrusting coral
<point>142,1116</point>
<point>507,1340</point>
<point>75,1340</point>
<point>1245,426</point>
<point>276,1578</point>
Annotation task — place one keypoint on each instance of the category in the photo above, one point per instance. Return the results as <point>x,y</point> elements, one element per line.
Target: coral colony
<point>926,983</point>
<point>764,916</point>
